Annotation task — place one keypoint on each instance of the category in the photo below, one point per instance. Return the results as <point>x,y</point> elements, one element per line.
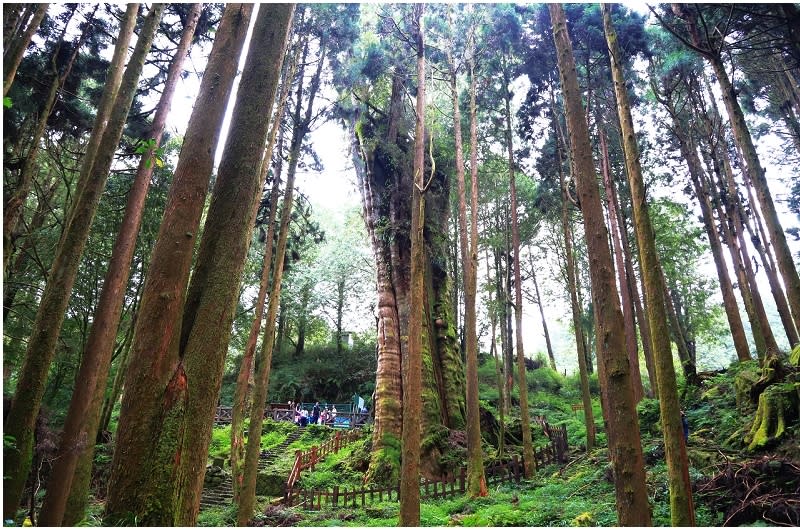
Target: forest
<point>413,264</point>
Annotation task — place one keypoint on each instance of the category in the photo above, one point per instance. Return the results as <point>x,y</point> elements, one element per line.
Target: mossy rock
<point>778,407</point>
<point>270,484</point>
<point>701,459</point>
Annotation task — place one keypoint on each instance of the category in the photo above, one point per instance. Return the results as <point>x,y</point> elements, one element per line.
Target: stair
<point>222,493</point>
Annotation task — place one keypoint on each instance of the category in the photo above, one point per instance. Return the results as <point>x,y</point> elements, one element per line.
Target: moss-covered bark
<point>382,157</point>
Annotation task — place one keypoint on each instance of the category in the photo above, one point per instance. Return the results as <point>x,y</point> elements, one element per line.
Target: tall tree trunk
<point>412,367</point>
<point>476,481</point>
<point>680,489</point>
<point>586,397</point>
<point>493,351</point>
<point>753,168</point>
<point>12,55</point>
<point>243,380</point>
<point>624,439</point>
<point>81,421</point>
<point>529,462</point>
<point>154,353</point>
<point>549,345</point>
<point>689,154</point>
<point>758,237</point>
<point>624,288</point>
<point>12,208</point>
<point>41,347</point>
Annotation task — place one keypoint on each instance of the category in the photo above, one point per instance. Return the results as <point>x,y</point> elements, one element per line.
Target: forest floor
<point>732,485</point>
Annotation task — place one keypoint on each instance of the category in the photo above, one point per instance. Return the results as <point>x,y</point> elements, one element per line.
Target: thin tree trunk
<point>550,354</point>
<point>680,489</point>
<point>501,437</point>
<point>624,288</point>
<point>243,380</point>
<point>689,153</point>
<point>476,481</point>
<point>41,347</point>
<point>81,420</point>
<point>412,367</point>
<point>12,209</point>
<point>12,56</point>
<point>154,353</point>
<point>624,439</point>
<point>529,462</point>
<point>586,397</point>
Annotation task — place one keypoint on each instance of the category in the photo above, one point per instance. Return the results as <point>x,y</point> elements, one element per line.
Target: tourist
<point>315,413</point>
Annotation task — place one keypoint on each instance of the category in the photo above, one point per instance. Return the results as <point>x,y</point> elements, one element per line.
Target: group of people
<point>317,416</point>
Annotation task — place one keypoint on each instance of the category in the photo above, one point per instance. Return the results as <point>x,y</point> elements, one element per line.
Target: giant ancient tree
<point>383,158</point>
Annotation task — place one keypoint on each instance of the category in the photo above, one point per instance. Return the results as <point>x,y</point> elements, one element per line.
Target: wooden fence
<point>448,486</point>
<point>308,459</point>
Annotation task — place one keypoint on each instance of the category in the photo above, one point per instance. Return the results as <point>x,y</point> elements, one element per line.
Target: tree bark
<point>81,422</point>
<point>623,429</point>
<point>566,227</point>
<point>529,461</point>
<point>12,55</point>
<point>476,481</point>
<point>12,209</point>
<point>680,489</point>
<point>41,347</point>
<point>154,352</point>
<point>412,367</point>
<point>539,303</point>
<point>624,288</point>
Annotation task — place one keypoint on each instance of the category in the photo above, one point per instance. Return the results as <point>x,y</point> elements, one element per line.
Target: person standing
<point>315,413</point>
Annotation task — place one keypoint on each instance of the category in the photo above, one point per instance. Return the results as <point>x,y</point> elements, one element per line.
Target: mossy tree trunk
<point>680,489</point>
<point>17,44</point>
<point>50,315</point>
<point>80,426</point>
<point>245,377</point>
<point>623,427</point>
<point>575,304</point>
<point>616,244</point>
<point>382,156</point>
<point>154,353</point>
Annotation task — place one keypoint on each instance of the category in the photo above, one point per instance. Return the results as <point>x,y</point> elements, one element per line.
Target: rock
<point>270,484</point>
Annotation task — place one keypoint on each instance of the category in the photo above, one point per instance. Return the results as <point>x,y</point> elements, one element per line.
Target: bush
<point>649,415</point>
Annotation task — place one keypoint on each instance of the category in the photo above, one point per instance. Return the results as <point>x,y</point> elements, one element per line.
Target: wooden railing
<point>308,459</point>
<point>447,486</point>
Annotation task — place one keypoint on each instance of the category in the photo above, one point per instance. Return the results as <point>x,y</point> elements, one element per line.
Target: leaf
<point>159,162</point>
<point>7,102</point>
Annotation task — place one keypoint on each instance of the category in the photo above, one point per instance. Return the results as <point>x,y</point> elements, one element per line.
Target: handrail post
<point>313,456</point>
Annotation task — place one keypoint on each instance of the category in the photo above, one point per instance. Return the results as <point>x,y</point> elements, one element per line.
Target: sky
<point>334,190</point>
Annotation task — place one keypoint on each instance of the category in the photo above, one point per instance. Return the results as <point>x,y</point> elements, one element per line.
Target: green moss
<point>794,358</point>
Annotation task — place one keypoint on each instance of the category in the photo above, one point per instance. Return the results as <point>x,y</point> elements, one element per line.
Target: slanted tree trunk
<point>16,45</point>
<point>154,352</point>
<point>80,425</point>
<point>623,425</point>
<point>624,288</point>
<point>40,351</point>
<point>245,377</point>
<point>550,354</point>
<point>680,489</point>
<point>476,481</point>
<point>753,168</point>
<point>12,208</point>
